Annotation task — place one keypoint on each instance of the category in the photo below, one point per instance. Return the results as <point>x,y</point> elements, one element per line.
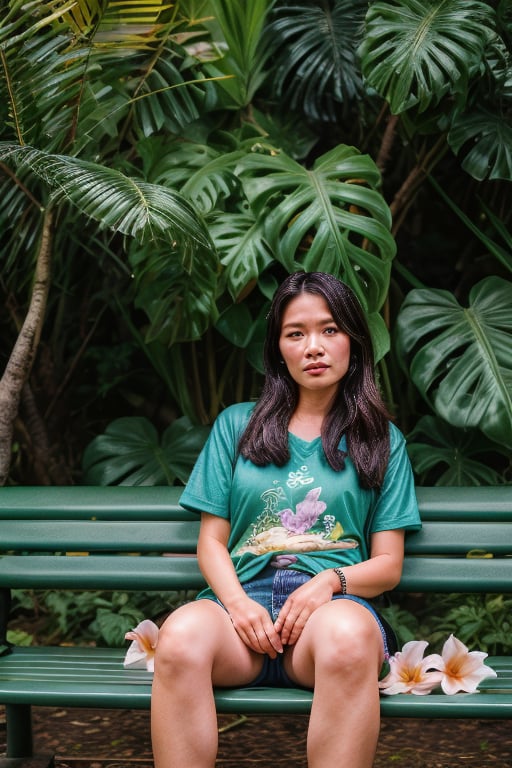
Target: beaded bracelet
<point>343,581</point>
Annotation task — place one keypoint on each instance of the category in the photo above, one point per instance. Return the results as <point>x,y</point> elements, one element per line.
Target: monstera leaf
<point>461,358</point>
<point>443,455</point>
<point>130,453</point>
<point>330,218</point>
<point>416,52</point>
<point>489,140</point>
<point>243,250</point>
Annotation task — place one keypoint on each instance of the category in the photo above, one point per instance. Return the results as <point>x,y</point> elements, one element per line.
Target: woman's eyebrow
<point>327,320</point>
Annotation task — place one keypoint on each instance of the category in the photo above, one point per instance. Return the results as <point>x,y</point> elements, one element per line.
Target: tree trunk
<point>23,354</point>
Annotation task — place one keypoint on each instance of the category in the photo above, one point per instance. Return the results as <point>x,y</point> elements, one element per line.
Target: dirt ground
<point>120,739</point>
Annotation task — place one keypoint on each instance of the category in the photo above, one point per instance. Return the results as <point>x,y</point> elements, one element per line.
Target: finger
<point>259,638</point>
<point>293,626</point>
<point>269,641</point>
<point>275,641</point>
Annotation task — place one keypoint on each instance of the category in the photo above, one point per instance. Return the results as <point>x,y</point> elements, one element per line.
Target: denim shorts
<point>271,588</point>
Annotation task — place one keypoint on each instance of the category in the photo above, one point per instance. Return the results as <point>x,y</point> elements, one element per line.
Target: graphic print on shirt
<point>307,528</point>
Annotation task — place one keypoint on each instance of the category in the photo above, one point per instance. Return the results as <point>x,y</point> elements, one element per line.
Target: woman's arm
<point>382,571</point>
<point>367,579</point>
<point>250,619</point>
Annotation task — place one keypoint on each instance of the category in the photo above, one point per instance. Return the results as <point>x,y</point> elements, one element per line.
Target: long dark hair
<point>357,411</point>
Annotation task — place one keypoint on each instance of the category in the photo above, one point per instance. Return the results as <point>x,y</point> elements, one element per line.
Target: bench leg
<point>19,730</point>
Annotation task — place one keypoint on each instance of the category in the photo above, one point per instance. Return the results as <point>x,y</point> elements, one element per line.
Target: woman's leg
<point>197,648</point>
<point>339,654</point>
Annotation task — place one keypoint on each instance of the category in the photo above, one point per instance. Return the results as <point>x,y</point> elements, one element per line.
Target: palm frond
<point>126,47</point>
<point>147,212</point>
<point>315,66</point>
<point>40,81</point>
<point>120,25</point>
<point>241,23</point>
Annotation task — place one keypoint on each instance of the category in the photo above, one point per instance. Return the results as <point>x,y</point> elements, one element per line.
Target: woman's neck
<point>307,419</point>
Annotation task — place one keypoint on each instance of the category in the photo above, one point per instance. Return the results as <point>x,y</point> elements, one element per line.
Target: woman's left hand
<point>301,603</point>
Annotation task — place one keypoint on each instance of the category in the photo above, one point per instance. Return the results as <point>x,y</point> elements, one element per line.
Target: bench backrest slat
<point>436,537</point>
<point>465,544</point>
<point>102,503</point>
<point>454,503</point>
<point>97,536</point>
<point>452,538</point>
<point>125,572</point>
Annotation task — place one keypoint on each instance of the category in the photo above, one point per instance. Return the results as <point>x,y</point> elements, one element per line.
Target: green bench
<point>41,527</point>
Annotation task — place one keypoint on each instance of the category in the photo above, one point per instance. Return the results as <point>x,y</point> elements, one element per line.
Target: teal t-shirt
<point>304,513</point>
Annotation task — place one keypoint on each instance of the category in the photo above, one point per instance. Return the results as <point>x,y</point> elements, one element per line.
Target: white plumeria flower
<point>141,653</point>
<point>409,672</point>
<point>462,669</point>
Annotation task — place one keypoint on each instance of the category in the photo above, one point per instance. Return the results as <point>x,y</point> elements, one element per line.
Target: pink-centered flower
<point>141,653</point>
<point>410,672</point>
<point>462,669</point>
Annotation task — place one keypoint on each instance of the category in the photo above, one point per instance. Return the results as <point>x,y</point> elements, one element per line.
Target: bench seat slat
<point>102,503</point>
<point>96,677</point>
<point>161,502</point>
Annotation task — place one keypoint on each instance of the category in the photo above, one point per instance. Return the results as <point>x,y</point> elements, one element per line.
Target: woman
<point>304,499</point>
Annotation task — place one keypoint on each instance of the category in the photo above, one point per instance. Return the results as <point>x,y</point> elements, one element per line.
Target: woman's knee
<point>349,642</point>
<point>182,641</point>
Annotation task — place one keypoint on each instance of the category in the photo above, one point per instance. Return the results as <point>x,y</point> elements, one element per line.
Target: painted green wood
<point>100,572</point>
<point>127,572</point>
<point>102,535</point>
<point>459,538</point>
<point>490,502</point>
<point>451,574</point>
<point>436,537</point>
<point>125,503</point>
<point>82,502</point>
<point>95,677</point>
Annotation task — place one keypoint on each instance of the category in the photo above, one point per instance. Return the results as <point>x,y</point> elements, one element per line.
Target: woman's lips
<point>315,368</point>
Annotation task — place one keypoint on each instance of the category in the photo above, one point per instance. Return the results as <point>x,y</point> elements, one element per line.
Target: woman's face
<point>315,351</point>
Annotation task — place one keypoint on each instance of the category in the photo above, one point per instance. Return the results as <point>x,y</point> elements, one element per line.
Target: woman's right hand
<point>249,618</point>
<point>255,627</point>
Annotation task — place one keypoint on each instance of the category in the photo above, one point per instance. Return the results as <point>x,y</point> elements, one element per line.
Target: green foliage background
<point>193,153</point>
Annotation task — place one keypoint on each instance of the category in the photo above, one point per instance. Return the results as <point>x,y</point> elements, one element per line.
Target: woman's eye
<point>332,330</point>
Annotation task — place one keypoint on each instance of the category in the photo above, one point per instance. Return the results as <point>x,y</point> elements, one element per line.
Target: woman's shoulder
<point>237,411</point>
<point>235,416</point>
<point>397,439</point>
<point>395,433</point>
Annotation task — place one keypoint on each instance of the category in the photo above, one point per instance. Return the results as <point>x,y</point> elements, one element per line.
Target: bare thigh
<point>341,637</point>
<point>200,634</point>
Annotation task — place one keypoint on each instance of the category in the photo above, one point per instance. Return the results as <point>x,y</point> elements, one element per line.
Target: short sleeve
<point>396,505</point>
<point>209,486</point>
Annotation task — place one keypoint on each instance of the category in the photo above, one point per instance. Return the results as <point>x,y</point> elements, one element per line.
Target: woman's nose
<point>314,346</point>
